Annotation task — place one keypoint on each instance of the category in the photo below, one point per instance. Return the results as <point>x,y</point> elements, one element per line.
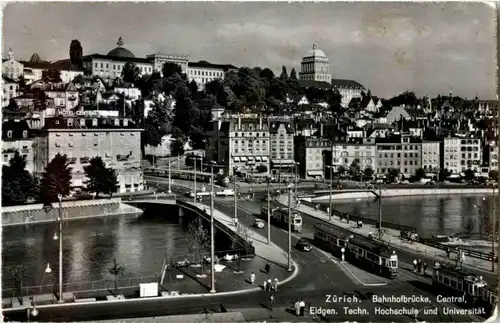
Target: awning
<point>243,159</point>
<point>250,162</point>
<point>283,162</point>
<point>315,173</point>
<point>250,158</point>
<point>257,158</point>
<point>236,159</point>
<point>264,158</point>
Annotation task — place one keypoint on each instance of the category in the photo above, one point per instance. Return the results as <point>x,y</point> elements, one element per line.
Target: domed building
<point>120,51</point>
<point>315,66</point>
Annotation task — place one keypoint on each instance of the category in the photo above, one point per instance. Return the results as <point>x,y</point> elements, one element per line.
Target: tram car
<point>360,251</point>
<point>458,282</point>
<point>279,216</point>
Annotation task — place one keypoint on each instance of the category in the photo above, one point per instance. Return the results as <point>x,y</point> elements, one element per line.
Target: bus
<point>279,216</point>
<point>360,251</point>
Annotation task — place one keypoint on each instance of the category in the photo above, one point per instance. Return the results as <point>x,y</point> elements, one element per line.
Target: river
<point>437,214</point>
<point>139,244</point>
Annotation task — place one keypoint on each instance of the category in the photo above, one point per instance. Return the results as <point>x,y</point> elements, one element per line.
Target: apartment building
<point>116,141</point>
<point>17,137</point>
<point>431,155</point>
<point>311,153</point>
<point>359,150</point>
<point>282,148</point>
<point>460,154</point>
<point>399,152</point>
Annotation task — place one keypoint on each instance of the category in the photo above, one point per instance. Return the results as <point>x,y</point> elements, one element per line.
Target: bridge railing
<point>467,252</point>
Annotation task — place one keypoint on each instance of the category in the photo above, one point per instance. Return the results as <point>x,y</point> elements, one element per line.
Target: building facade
<point>315,66</point>
<point>11,68</point>
<point>310,152</point>
<point>349,90</point>
<point>159,59</point>
<point>17,137</point>
<point>282,148</point>
<point>116,141</point>
<point>10,90</point>
<point>460,154</point>
<point>399,152</point>
<point>431,155</point>
<point>203,72</point>
<point>361,152</point>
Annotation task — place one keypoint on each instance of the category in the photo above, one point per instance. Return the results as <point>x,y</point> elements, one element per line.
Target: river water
<point>437,214</point>
<point>138,244</point>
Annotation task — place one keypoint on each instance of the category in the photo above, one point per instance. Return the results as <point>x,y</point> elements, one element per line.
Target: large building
<point>11,68</point>
<point>460,154</point>
<point>241,144</point>
<point>116,141</point>
<point>315,66</point>
<point>203,72</point>
<point>360,151</point>
<point>310,152</point>
<point>10,90</point>
<point>159,59</point>
<point>431,152</point>
<point>282,151</point>
<point>17,137</point>
<point>399,152</point>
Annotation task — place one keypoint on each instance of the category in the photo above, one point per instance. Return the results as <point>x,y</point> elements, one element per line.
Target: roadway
<point>320,275</point>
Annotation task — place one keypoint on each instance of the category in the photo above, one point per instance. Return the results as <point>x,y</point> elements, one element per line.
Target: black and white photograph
<point>250,162</point>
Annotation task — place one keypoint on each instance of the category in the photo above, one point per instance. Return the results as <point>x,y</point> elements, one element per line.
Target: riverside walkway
<point>392,238</point>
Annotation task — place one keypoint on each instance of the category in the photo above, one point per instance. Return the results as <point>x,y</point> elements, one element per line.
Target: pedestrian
<point>269,284</point>
<point>252,278</point>
<point>264,285</point>
<point>267,268</point>
<point>448,251</point>
<point>425,268</point>
<point>341,216</point>
<point>414,265</point>
<point>271,301</point>
<point>419,265</point>
<point>275,284</point>
<point>297,308</point>
<point>302,307</point>
<point>347,218</point>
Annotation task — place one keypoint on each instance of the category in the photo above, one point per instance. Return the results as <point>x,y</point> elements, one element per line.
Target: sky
<point>429,48</point>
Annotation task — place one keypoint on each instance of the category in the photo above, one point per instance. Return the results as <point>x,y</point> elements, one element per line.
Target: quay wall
<point>394,192</point>
<point>71,210</point>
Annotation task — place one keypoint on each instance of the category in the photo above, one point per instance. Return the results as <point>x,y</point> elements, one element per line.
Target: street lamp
<point>289,228</point>
<point>268,210</point>
<point>380,212</point>
<point>169,177</point>
<point>296,179</point>
<point>212,234</point>
<point>59,196</point>
<point>235,201</point>
<point>493,228</point>
<point>32,311</point>
<point>331,193</point>
<point>194,180</point>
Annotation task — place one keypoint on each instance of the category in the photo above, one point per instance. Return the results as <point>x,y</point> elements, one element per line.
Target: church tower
<point>315,66</point>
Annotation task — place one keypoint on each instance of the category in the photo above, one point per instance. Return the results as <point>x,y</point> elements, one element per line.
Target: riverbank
<point>71,210</point>
<point>396,192</point>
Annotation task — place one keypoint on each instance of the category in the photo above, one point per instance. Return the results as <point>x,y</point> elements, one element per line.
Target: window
<point>9,134</point>
<point>25,134</point>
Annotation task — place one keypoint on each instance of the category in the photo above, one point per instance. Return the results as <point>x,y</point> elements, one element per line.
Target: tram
<point>279,216</point>
<point>460,283</point>
<point>362,252</point>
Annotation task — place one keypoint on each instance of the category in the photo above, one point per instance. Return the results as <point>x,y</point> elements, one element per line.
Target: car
<point>303,245</point>
<point>259,224</point>
<point>226,193</point>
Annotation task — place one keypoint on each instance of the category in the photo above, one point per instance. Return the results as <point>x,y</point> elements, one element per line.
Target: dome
<point>315,52</point>
<point>120,51</point>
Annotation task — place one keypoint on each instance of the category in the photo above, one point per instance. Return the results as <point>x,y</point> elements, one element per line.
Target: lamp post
<point>289,228</point>
<point>32,311</point>
<point>296,180</point>
<point>268,210</point>
<point>380,212</point>
<point>235,201</point>
<point>493,228</point>
<point>60,237</point>
<point>331,193</point>
<point>212,233</point>
<point>169,177</point>
<point>194,180</point>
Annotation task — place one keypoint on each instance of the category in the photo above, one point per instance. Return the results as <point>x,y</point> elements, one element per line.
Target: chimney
<point>260,122</point>
<point>239,122</point>
<point>321,129</point>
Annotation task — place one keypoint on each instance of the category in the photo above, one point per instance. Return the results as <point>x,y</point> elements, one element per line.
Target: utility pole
<point>296,181</point>
<point>195,197</point>
<point>380,212</point>
<point>235,201</point>
<point>289,229</point>
<point>331,193</point>
<point>169,177</point>
<point>268,210</point>
<point>61,300</point>
<point>324,170</point>
<point>493,231</point>
<point>212,235</point>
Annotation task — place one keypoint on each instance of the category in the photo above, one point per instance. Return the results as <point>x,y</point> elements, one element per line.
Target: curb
<point>357,279</point>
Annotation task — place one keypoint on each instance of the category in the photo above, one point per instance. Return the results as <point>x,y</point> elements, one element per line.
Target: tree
<point>199,239</point>
<point>169,69</point>
<point>293,74</point>
<point>284,74</point>
<point>51,75</point>
<point>341,170</point>
<point>157,124</point>
<point>193,89</point>
<point>131,73</point>
<point>176,147</point>
<point>469,175</point>
<point>443,174</point>
<point>494,175</point>
<point>368,172</point>
<point>40,100</point>
<point>117,271</point>
<point>100,178</point>
<point>18,185</point>
<point>246,234</point>
<point>393,174</point>
<point>56,179</point>
<point>236,245</point>
<point>262,168</point>
<point>354,169</point>
<point>419,174</point>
